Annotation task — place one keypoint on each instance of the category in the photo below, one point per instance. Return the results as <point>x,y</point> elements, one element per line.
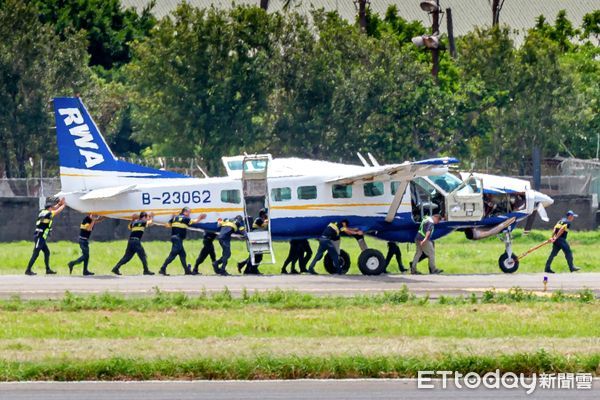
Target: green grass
<point>455,254</point>
<point>289,335</point>
<point>553,320</point>
<point>292,367</point>
<point>280,299</point>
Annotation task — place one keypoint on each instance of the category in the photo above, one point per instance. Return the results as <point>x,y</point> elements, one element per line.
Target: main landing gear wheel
<point>508,264</point>
<point>371,262</point>
<point>344,263</point>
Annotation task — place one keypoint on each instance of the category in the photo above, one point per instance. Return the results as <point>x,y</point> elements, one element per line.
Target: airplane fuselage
<point>300,206</point>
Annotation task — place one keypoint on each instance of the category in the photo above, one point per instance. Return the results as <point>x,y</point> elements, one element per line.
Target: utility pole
<point>435,30</point>
<point>536,159</point>
<point>450,28</point>
<point>431,42</point>
<point>264,4</point>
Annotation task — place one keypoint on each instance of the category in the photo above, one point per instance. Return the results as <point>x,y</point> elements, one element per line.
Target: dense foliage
<point>212,82</point>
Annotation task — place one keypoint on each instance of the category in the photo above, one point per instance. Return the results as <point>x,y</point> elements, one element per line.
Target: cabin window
<point>230,196</point>
<point>341,191</point>
<point>447,182</point>
<point>281,194</point>
<point>307,192</point>
<point>235,165</point>
<point>373,189</point>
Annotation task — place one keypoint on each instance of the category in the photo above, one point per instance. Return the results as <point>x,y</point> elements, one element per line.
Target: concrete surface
<point>42,286</point>
<point>269,390</point>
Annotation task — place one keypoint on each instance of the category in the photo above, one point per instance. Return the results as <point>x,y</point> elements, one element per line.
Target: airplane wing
<point>404,172</point>
<point>434,166</point>
<point>108,192</point>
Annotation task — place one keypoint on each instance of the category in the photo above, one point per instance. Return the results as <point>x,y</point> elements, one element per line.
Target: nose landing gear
<point>508,262</point>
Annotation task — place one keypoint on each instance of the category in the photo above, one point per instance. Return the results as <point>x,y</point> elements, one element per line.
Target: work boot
<point>414,271</point>
<point>284,271</point>
<point>436,271</point>
<point>223,272</point>
<point>312,271</point>
<point>71,265</point>
<point>148,272</point>
<point>574,269</point>
<point>548,270</point>
<point>195,271</point>
<point>188,270</point>
<point>162,271</point>
<point>30,272</point>
<point>402,269</point>
<point>303,270</point>
<point>88,273</point>
<point>240,265</point>
<point>50,272</point>
<point>215,266</point>
<point>294,272</point>
<point>115,271</point>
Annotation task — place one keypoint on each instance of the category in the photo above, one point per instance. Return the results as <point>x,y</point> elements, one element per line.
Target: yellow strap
<point>85,226</point>
<point>334,227</point>
<point>179,225</point>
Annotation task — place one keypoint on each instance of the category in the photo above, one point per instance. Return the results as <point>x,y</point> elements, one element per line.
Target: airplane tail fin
<point>86,161</point>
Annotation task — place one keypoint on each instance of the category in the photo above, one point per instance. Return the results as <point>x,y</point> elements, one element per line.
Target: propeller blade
<point>542,211</point>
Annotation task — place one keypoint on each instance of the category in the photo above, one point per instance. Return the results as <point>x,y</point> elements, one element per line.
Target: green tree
<point>35,64</point>
<point>108,27</point>
<point>203,80</point>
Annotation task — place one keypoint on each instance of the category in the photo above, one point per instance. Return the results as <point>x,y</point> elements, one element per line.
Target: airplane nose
<point>542,198</point>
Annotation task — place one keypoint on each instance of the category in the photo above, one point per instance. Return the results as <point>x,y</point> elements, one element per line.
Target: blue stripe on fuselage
<point>402,229</point>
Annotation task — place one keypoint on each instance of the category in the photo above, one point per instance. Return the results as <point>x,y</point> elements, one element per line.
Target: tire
<point>344,262</point>
<point>508,266</point>
<point>371,262</point>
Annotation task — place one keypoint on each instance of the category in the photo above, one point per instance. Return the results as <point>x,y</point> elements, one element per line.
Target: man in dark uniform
<point>260,224</point>
<point>305,254</point>
<point>208,249</point>
<point>85,230</point>
<point>394,251</point>
<point>326,243</point>
<point>137,226</point>
<point>559,242</point>
<point>179,224</point>
<point>293,256</point>
<point>43,226</point>
<point>425,244</point>
<point>300,252</point>
<point>227,228</point>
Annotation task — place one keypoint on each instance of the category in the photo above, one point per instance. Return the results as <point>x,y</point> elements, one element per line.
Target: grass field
<point>455,254</point>
<point>293,335</point>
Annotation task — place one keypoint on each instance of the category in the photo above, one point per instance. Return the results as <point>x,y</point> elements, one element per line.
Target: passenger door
<point>465,203</point>
<point>255,190</point>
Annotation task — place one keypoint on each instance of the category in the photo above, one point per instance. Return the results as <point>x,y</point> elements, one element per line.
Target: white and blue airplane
<point>387,202</point>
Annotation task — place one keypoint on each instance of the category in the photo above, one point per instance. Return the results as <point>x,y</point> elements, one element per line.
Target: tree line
<point>210,82</point>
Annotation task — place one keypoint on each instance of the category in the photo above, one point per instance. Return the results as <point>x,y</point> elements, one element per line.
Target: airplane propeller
<point>539,210</point>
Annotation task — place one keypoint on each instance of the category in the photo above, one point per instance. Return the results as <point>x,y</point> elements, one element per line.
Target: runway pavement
<point>435,285</point>
<point>269,390</point>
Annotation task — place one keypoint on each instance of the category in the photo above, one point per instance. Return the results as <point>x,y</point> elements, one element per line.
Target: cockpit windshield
<point>446,182</point>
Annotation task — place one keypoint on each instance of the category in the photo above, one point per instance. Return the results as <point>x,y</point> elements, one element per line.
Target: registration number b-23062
<point>186,197</point>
